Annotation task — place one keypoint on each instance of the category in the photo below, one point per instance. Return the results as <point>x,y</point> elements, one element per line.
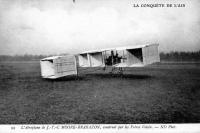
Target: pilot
<point>112,57</point>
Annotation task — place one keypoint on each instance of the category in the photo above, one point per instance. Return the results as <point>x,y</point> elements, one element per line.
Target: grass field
<point>163,93</point>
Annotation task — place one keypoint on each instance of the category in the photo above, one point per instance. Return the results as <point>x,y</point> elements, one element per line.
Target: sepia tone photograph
<point>99,62</point>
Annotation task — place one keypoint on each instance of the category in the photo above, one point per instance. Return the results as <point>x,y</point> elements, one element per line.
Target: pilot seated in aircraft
<point>117,59</point>
<point>113,59</point>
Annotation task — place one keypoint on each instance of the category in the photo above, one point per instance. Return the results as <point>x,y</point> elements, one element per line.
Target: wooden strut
<point>77,70</point>
<point>104,58</point>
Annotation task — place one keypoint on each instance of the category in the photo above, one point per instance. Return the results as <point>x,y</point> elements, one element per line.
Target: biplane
<point>119,57</point>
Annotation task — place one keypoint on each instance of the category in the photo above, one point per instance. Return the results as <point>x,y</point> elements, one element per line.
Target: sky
<point>61,26</point>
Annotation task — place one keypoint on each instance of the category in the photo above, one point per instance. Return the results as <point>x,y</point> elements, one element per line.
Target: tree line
<point>170,56</point>
<point>180,56</point>
<point>26,57</point>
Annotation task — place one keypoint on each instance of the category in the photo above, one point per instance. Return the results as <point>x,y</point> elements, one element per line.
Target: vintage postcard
<point>99,65</point>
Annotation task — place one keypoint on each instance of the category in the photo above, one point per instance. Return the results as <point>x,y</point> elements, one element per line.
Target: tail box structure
<point>58,66</point>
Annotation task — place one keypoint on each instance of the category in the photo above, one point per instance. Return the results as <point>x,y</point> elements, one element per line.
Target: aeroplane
<point>117,58</point>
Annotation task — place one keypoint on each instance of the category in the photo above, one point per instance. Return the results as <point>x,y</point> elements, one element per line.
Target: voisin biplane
<point>116,58</point>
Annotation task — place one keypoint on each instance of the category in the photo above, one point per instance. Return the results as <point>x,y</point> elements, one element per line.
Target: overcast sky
<point>61,26</point>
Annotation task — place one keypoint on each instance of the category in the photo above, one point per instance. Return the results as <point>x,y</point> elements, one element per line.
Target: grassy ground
<point>164,93</point>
